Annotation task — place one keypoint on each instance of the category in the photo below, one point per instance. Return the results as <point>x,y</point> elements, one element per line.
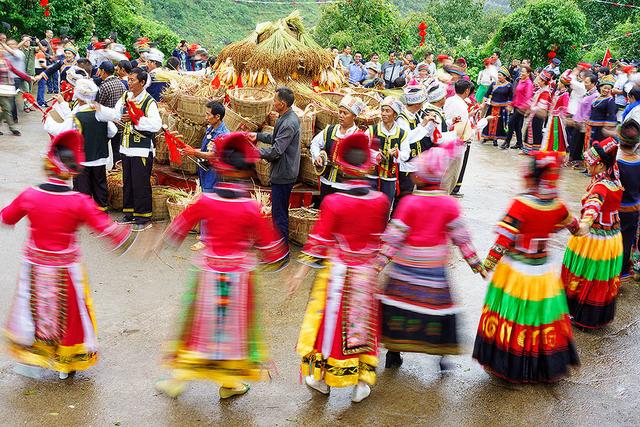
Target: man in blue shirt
<point>357,70</point>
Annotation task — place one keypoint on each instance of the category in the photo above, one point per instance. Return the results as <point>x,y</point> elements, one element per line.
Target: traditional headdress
<point>70,49</point>
<point>85,90</point>
<point>604,152</point>
<point>65,167</point>
<point>436,92</point>
<point>442,58</point>
<point>545,76</point>
<point>455,69</point>
<point>154,55</point>
<point>628,133</point>
<point>566,78</point>
<point>353,104</point>
<point>392,103</point>
<point>423,66</point>
<point>353,156</point>
<point>235,156</point>
<point>488,61</point>
<point>607,80</point>
<point>544,171</point>
<point>461,60</point>
<point>585,65</point>
<point>142,45</point>
<point>505,72</point>
<point>415,95</point>
<point>74,74</point>
<point>431,165</point>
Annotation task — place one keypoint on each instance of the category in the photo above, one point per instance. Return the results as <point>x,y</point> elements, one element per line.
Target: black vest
<point>387,168</point>
<point>134,140</point>
<point>96,142</point>
<point>330,145</point>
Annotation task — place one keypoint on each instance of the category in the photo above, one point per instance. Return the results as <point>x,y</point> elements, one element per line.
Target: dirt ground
<point>136,301</point>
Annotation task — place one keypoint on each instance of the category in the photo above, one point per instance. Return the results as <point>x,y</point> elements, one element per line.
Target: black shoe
<point>127,219</point>
<point>16,132</point>
<point>457,195</point>
<point>393,360</point>
<point>516,147</point>
<point>495,143</point>
<point>1,133</point>
<point>504,145</point>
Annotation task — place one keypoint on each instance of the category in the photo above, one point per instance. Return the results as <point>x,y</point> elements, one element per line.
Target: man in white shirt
<point>578,92</point>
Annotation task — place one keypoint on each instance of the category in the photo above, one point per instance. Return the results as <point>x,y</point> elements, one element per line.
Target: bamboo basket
<point>115,194</point>
<point>194,108</point>
<point>307,125</point>
<point>174,209</point>
<point>369,100</point>
<point>159,211</point>
<point>307,172</point>
<point>364,123</point>
<point>192,133</point>
<point>162,150</point>
<point>301,221</point>
<point>187,165</point>
<point>255,110</point>
<point>233,120</point>
<point>326,116</point>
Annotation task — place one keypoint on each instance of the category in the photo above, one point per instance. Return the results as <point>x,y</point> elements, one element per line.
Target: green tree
<point>604,17</point>
<point>533,30</point>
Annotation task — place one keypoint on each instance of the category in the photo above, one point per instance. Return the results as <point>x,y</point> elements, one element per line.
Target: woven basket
<point>187,165</point>
<point>301,221</point>
<point>307,125</point>
<point>371,101</point>
<point>115,193</point>
<point>193,108</point>
<point>233,120</point>
<point>307,172</point>
<point>364,123</point>
<point>326,116</point>
<point>162,150</point>
<point>159,210</point>
<point>267,129</point>
<point>176,209</point>
<point>192,133</point>
<point>256,109</point>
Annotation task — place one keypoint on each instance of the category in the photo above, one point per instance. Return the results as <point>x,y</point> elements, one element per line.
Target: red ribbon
<point>135,114</point>
<point>174,144</point>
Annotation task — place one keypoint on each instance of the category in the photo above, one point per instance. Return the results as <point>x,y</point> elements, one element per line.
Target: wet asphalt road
<point>136,301</point>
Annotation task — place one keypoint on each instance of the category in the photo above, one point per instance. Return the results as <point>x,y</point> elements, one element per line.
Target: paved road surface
<point>136,301</point>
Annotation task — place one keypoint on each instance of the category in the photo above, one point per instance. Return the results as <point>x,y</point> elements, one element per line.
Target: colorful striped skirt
<point>498,127</point>
<point>555,138</point>
<point>338,339</point>
<point>51,322</point>
<point>591,275</point>
<point>219,338</point>
<point>418,314</point>
<point>524,334</point>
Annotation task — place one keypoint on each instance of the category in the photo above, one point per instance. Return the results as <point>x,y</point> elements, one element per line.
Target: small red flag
<point>607,58</point>
<point>215,83</point>
<point>239,81</point>
<point>174,153</point>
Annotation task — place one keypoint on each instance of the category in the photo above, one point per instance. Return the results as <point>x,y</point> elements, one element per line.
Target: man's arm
<point>285,136</point>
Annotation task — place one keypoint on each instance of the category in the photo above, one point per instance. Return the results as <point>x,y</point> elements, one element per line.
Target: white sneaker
<point>360,392</point>
<point>28,371</point>
<point>63,375</point>
<point>318,385</point>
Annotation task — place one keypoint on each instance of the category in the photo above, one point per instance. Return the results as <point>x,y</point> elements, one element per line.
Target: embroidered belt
<point>226,263</point>
<point>52,258</point>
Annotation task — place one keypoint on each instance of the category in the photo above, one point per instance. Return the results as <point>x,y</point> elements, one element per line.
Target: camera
<point>33,39</point>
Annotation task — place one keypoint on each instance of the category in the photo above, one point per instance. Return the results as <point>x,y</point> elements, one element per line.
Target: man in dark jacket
<point>284,156</point>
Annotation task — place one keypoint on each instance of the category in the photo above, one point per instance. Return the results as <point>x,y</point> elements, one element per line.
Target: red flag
<point>215,83</point>
<point>44,3</point>
<point>135,113</point>
<point>607,58</point>
<point>46,12</point>
<point>239,81</point>
<point>174,153</point>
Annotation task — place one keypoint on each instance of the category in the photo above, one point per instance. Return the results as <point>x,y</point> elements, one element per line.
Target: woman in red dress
<point>338,340</point>
<point>51,322</point>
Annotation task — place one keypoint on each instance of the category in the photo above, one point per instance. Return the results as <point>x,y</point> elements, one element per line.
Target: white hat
<point>414,95</point>
<point>85,90</point>
<point>74,74</point>
<point>392,103</point>
<point>355,105</point>
<point>154,55</point>
<point>436,92</point>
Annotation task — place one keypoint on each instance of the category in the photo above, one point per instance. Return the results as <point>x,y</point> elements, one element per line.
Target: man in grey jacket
<point>284,156</point>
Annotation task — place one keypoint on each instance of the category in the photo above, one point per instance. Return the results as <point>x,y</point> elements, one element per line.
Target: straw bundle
<point>264,199</point>
<point>281,51</point>
<point>301,221</point>
<point>114,189</point>
<point>178,200</point>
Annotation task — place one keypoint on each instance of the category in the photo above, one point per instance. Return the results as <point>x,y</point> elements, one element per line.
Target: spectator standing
<point>284,156</point>
<point>180,52</point>
<point>357,71</point>
<point>391,70</point>
<point>29,51</point>
<point>428,61</point>
<point>109,93</point>
<point>17,58</point>
<point>618,89</point>
<point>8,91</point>
<point>345,59</point>
<point>520,105</point>
<point>122,71</point>
<point>375,61</point>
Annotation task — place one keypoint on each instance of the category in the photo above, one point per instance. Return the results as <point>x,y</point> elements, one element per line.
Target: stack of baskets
<point>251,103</point>
<point>159,203</point>
<point>234,121</point>
<point>301,221</point>
<point>326,116</point>
<point>263,169</point>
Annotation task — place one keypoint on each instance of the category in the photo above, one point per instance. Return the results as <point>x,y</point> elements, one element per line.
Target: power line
<point>611,39</point>
<point>611,3</point>
<point>291,2</point>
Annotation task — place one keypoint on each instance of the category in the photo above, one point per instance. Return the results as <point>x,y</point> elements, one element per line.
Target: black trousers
<point>115,147</point>
<point>406,187</point>
<point>537,131</point>
<point>629,228</point>
<point>93,182</point>
<point>136,175</point>
<point>325,190</point>
<point>516,121</point>
<point>280,195</point>
<point>388,188</point>
<point>577,147</point>
<point>456,189</point>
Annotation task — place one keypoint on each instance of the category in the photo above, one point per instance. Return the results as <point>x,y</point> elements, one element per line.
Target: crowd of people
<point>375,188</point>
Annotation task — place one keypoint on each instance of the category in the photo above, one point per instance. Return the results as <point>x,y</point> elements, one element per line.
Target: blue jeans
<point>42,85</point>
<point>53,86</point>
<point>280,194</point>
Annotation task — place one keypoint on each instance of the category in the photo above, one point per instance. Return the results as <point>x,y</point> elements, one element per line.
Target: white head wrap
<point>353,104</point>
<point>392,103</point>
<point>85,90</point>
<point>74,74</point>
<point>414,95</point>
<point>154,55</point>
<point>436,92</point>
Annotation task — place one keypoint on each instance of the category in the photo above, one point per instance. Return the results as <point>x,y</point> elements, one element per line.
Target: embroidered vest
<point>134,140</point>
<point>96,142</point>
<point>387,167</point>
